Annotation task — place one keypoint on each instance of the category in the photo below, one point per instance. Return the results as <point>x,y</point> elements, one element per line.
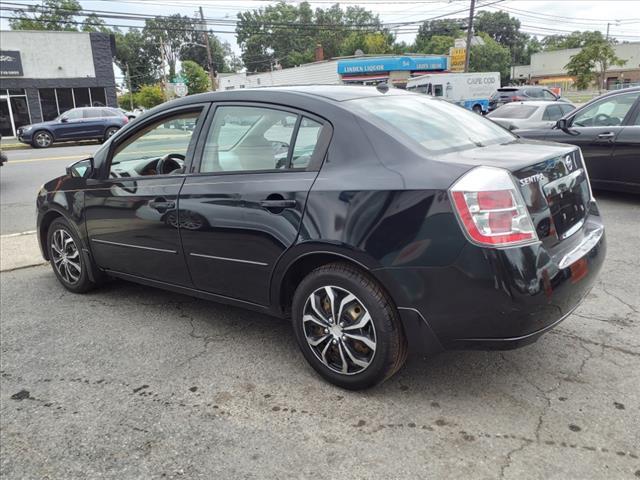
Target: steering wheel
<point>169,163</point>
<point>601,119</point>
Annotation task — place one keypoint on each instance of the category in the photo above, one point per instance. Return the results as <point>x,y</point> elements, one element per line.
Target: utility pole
<point>212,73</point>
<point>469,35</point>
<point>163,78</point>
<point>608,24</point>
<point>130,88</point>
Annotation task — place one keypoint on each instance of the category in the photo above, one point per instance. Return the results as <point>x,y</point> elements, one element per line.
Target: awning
<point>364,78</point>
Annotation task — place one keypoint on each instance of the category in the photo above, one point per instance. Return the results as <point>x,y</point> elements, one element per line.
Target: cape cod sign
<point>10,63</point>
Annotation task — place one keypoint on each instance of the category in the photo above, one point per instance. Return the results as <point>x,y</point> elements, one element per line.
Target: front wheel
<point>42,139</point>
<point>347,327</point>
<point>66,258</point>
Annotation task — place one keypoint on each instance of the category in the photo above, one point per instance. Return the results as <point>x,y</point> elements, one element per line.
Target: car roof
<point>537,103</point>
<point>338,93</point>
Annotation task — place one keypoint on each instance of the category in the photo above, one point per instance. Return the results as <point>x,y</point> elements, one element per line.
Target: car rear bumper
<point>498,299</point>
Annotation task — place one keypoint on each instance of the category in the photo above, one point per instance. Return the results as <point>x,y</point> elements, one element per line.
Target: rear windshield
<point>439,126</point>
<point>513,111</point>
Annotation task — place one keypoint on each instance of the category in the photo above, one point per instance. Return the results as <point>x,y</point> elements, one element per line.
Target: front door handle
<point>162,205</point>
<point>606,136</point>
<point>278,203</point>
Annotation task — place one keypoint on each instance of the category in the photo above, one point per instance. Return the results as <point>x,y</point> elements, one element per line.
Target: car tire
<point>477,109</point>
<point>364,343</point>
<point>42,139</point>
<point>109,132</point>
<point>67,260</point>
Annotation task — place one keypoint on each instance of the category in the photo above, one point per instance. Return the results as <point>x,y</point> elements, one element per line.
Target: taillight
<point>126,120</point>
<point>491,209</point>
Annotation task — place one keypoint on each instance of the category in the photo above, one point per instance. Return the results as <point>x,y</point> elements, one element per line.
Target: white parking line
<point>28,232</point>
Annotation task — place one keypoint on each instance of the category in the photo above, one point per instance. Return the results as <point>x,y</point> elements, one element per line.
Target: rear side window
<point>92,113</point>
<point>438,126</point>
<point>552,112</point>
<point>258,139</point>
<point>514,111</point>
<point>534,93</point>
<point>109,113</point>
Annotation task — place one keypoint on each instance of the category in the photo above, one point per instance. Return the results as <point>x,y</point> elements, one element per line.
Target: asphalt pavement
<point>22,176</point>
<point>130,382</point>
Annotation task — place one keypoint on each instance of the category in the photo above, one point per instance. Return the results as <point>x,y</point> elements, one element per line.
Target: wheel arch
<point>299,263</point>
<point>44,223</point>
<point>44,129</point>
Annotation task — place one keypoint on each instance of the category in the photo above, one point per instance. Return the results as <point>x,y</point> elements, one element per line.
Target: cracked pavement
<point>130,382</point>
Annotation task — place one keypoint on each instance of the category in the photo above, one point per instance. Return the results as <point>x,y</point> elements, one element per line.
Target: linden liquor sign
<point>10,63</point>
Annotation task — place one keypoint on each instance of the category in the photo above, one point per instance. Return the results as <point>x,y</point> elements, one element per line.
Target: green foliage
<point>573,40</point>
<point>93,23</point>
<point>490,57</point>
<point>437,44</point>
<point>289,33</point>
<point>592,62</point>
<point>50,15</point>
<point>149,96</point>
<point>195,76</point>
<point>441,28</point>
<point>224,60</point>
<point>170,34</point>
<point>137,50</point>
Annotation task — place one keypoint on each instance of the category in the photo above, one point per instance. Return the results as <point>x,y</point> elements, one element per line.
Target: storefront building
<point>363,70</point>
<point>43,74</point>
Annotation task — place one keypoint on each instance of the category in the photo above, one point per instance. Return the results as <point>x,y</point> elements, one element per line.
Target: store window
<point>82,97</point>
<point>48,103</point>
<point>14,111</point>
<point>98,97</point>
<point>65,99</point>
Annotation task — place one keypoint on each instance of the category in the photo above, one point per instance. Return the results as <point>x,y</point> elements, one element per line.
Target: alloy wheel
<point>43,139</point>
<point>339,330</point>
<point>111,132</point>
<point>66,256</point>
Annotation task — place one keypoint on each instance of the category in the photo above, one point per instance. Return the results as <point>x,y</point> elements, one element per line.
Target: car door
<point>242,208</point>
<point>93,123</point>
<point>625,161</point>
<point>70,126</point>
<point>595,128</point>
<point>132,210</point>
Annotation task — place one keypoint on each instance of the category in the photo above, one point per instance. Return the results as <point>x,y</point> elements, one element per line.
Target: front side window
<point>92,113</point>
<point>158,149</point>
<point>248,139</point>
<point>438,126</point>
<point>547,95</point>
<point>75,114</point>
<point>553,112</point>
<point>607,112</point>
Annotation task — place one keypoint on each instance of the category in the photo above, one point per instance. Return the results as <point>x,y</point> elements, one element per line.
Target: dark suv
<point>375,228</point>
<point>518,94</point>
<point>76,124</point>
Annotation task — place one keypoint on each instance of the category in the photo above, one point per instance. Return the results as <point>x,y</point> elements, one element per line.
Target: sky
<point>538,17</point>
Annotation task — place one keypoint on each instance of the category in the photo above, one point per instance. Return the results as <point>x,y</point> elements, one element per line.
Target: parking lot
<point>133,382</point>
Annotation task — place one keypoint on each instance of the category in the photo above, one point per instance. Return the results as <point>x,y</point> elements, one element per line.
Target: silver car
<point>530,114</point>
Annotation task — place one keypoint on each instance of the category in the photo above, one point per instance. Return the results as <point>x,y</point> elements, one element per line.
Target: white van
<point>469,90</point>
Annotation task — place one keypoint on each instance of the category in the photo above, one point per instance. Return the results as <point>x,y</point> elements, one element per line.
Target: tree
<point>438,44</point>
<point>224,60</point>
<point>170,33</point>
<point>575,39</point>
<point>55,15</point>
<point>196,77</point>
<point>441,27</point>
<point>369,43</point>
<point>505,29</point>
<point>93,23</point>
<point>136,50</point>
<point>592,62</point>
<point>490,57</point>
<point>288,34</point>
<point>149,96</point>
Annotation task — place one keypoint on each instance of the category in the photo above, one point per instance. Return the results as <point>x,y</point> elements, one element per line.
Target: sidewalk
<point>19,250</point>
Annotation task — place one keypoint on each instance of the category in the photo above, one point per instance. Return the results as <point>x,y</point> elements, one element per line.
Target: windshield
<point>513,111</point>
<point>437,125</point>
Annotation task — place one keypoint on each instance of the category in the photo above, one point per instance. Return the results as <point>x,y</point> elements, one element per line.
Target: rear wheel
<point>110,132</point>
<point>42,139</point>
<point>477,109</point>
<point>66,258</point>
<point>347,327</point>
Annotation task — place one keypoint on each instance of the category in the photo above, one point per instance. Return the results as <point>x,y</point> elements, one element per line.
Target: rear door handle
<point>606,135</point>
<point>278,203</point>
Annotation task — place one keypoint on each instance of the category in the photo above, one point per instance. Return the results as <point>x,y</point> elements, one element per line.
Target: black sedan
<point>607,130</point>
<point>377,220</point>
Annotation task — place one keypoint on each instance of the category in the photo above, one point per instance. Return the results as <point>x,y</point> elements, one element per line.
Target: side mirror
<point>81,168</point>
<point>562,124</point>
<point>64,120</point>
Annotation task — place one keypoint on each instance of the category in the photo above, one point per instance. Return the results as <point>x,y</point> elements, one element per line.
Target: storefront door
<point>6,122</point>
<point>14,113</point>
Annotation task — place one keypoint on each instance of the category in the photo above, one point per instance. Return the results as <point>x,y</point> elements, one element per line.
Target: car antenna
<point>382,87</point>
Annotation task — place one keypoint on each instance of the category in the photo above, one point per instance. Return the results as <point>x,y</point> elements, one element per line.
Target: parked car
<point>384,230</point>
<point>522,93</point>
<point>533,114</point>
<point>607,129</point>
<point>76,124</point>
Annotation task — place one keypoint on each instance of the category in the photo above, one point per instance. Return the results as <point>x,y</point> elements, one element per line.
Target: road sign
<point>456,62</point>
<point>180,89</point>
